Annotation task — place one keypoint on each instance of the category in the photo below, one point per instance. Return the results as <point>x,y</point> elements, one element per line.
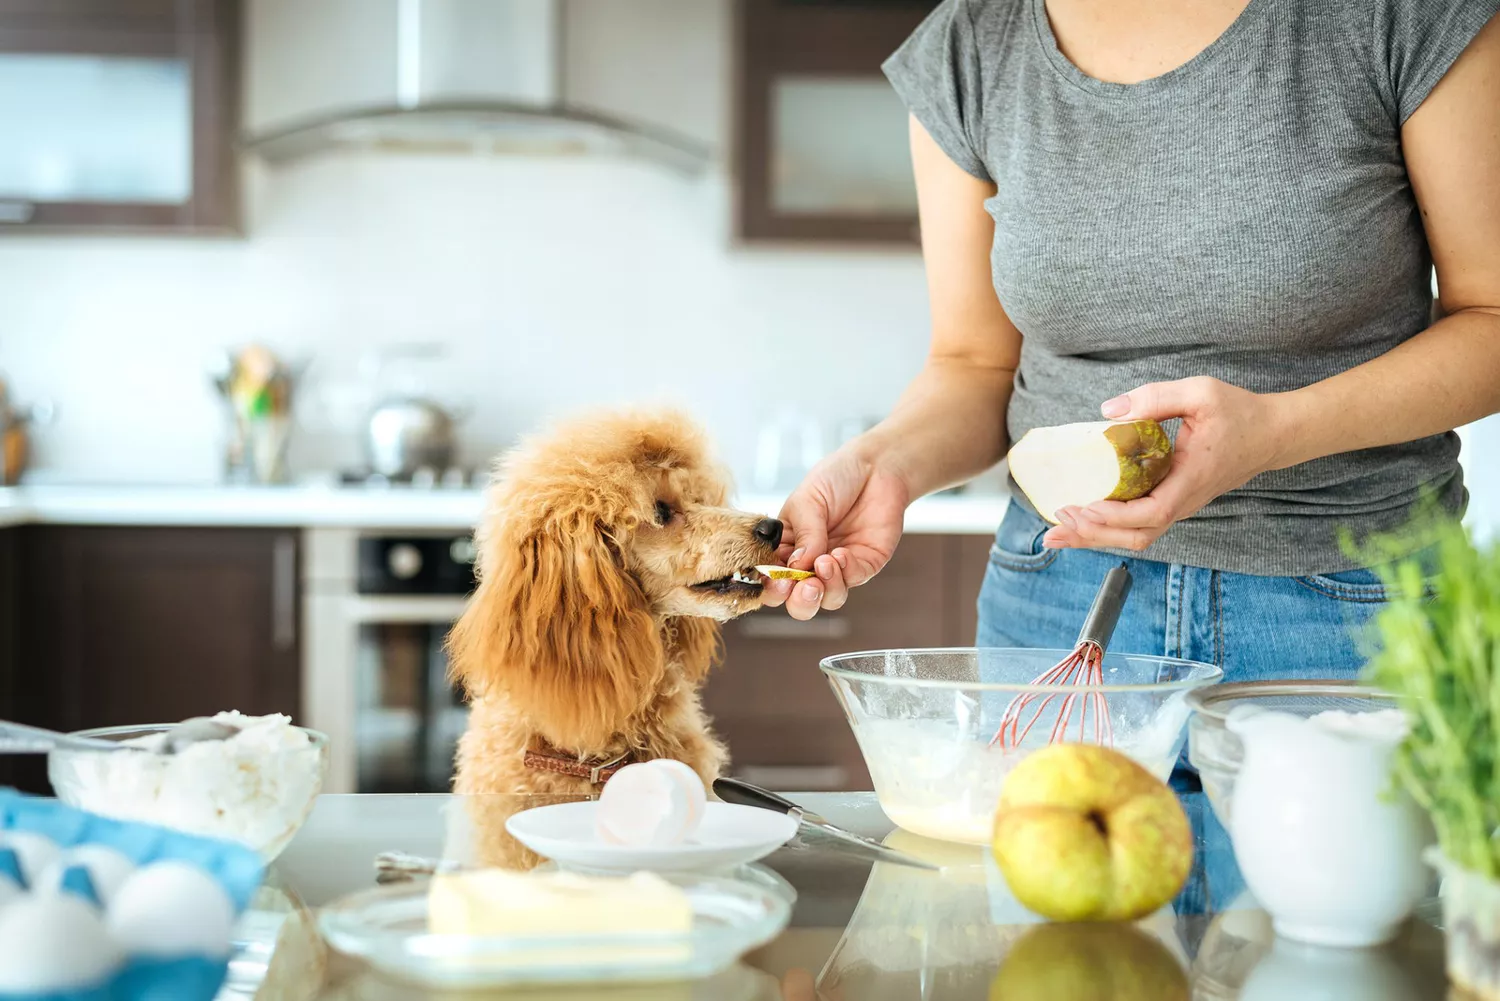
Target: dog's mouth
<point>746,581</point>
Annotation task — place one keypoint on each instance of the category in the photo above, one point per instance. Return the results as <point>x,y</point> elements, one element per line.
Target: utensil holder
<point>256,453</point>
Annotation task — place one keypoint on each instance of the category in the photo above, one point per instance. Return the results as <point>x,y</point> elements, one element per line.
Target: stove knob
<point>404,561</point>
<point>462,550</point>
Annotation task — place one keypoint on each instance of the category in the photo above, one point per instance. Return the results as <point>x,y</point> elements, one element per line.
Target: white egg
<point>107,868</point>
<point>646,806</point>
<point>33,851</point>
<point>171,909</point>
<point>692,787</point>
<point>54,943</point>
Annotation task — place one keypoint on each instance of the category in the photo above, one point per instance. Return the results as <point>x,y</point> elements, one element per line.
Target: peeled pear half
<point>1073,465</point>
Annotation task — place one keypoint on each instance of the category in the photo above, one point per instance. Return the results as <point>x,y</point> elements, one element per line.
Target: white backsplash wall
<point>555,284</point>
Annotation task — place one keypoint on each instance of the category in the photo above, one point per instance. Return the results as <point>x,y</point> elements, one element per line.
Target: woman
<point>1220,211</point>
<point>1215,210</point>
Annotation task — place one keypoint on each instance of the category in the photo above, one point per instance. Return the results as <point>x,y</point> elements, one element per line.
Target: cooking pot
<point>408,434</point>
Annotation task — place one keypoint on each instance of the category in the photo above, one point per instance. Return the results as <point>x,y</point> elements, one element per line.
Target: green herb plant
<point>1436,647</point>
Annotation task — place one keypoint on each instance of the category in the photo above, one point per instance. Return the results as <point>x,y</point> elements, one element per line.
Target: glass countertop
<point>859,931</point>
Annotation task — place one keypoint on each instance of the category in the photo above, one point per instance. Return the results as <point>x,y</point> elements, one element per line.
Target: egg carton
<point>235,869</point>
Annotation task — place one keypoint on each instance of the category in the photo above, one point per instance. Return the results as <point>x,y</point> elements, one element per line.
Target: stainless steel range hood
<point>449,76</point>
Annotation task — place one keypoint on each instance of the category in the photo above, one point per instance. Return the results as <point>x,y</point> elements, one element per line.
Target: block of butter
<point>499,904</point>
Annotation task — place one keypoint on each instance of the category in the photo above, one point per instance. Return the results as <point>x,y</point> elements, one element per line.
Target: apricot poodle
<point>607,558</point>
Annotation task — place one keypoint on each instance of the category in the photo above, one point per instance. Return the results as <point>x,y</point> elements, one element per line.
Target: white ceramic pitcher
<point>1324,842</point>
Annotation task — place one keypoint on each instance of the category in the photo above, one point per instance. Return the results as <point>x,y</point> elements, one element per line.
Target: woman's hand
<point>843,523</point>
<point>1228,435</point>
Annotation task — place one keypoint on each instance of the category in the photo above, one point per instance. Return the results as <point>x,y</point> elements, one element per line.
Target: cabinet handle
<point>284,593</point>
<point>784,627</point>
<point>12,210</point>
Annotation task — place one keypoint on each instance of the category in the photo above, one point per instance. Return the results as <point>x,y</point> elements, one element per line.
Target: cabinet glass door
<point>839,147</point>
<point>95,128</point>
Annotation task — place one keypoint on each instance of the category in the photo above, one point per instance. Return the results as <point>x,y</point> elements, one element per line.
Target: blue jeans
<point>1254,628</point>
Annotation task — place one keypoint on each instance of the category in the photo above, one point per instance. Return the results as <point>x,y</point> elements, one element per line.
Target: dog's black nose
<point>768,530</point>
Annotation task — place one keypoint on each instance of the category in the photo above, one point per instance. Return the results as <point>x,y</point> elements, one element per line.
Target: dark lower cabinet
<point>774,707</point>
<point>104,626</point>
<point>148,625</point>
<point>9,670</point>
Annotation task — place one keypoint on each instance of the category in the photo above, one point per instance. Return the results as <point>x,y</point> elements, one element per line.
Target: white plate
<point>729,835</point>
<point>387,927</point>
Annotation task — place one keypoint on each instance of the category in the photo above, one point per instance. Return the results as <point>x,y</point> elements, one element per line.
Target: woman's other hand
<point>1228,435</point>
<point>842,523</point>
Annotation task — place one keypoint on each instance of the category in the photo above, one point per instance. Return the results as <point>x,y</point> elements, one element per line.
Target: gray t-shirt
<point>1246,216</point>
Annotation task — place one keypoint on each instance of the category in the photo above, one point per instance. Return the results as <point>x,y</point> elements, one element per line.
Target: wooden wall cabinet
<point>821,137</point>
<point>773,705</point>
<point>119,115</point>
<point>153,625</point>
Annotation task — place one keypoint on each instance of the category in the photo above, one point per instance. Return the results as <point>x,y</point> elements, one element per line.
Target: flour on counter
<point>254,787</point>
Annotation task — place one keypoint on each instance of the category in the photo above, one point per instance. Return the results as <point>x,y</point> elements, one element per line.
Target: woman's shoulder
<point>1403,46</point>
<point>978,35</point>
<point>947,73</point>
<point>987,25</point>
<point>990,21</point>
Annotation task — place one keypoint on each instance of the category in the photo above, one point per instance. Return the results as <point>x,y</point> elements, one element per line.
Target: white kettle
<point>1325,842</point>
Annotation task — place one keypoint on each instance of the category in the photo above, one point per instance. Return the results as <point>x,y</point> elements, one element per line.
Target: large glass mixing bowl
<point>925,719</point>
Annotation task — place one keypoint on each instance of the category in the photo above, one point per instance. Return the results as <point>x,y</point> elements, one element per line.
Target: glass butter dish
<point>388,928</point>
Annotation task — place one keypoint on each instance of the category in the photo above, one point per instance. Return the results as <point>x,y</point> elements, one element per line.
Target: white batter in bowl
<point>924,720</point>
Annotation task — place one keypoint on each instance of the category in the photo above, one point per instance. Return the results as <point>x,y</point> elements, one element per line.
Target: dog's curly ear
<point>560,629</point>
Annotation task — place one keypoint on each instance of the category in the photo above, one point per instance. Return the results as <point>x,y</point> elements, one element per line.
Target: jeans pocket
<point>1363,585</point>
<point>1018,543</point>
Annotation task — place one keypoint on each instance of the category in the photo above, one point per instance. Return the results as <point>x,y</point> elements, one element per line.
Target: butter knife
<point>745,794</point>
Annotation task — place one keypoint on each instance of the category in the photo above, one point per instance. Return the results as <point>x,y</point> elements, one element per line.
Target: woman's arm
<point>949,425</point>
<point>1449,374</point>
<point>1445,377</point>
<point>845,518</point>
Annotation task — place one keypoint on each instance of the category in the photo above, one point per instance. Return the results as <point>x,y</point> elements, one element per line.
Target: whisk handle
<point>1104,613</point>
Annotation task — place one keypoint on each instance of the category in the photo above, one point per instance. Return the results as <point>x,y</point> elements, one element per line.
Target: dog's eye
<point>663,512</point>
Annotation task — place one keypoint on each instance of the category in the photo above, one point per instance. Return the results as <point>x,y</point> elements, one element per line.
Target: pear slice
<point>1073,465</point>
<point>784,573</point>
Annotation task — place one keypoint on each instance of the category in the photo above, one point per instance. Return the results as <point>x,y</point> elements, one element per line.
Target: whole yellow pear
<point>1083,833</point>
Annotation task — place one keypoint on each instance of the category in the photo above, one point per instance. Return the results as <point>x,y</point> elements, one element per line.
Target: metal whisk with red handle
<point>1084,667</point>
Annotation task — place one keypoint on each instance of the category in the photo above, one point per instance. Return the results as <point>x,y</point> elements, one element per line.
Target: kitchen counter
<point>858,931</point>
<point>366,508</point>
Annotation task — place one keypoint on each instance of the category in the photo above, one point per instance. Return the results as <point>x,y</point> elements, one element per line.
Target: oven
<point>378,607</point>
